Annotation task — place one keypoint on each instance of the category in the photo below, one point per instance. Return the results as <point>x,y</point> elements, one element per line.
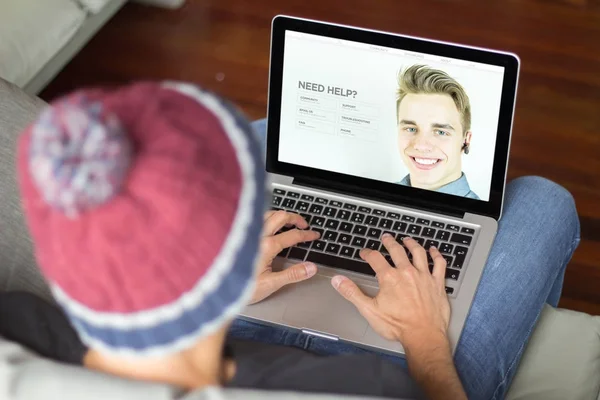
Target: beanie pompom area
<point>79,155</point>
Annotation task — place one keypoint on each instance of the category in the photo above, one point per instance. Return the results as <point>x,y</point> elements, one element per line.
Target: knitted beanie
<point>145,205</point>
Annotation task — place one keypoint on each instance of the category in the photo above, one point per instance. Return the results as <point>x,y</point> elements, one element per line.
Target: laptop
<point>372,132</point>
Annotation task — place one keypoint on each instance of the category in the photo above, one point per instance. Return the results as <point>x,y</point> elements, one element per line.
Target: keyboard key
<point>283,253</point>
<point>446,248</point>
<point>332,224</point>
<point>436,224</point>
<point>408,218</point>
<point>443,235</point>
<point>344,215</point>
<point>468,231</point>
<point>353,265</point>
<point>307,197</point>
<point>452,274</point>
<point>350,207</point>
<point>293,195</point>
<point>460,251</point>
<point>276,201</point>
<point>335,203</point>
<point>366,210</point>
<point>454,228</point>
<point>307,217</point>
<point>372,244</point>
<point>429,232</point>
<point>461,239</point>
<point>359,241</point>
<point>420,240</point>
<point>359,230</point>
<point>288,203</point>
<point>383,250</point>
<point>374,233</point>
<point>358,218</point>
<point>385,223</point>
<point>330,212</point>
<point>315,209</point>
<point>371,220</point>
<point>400,226</point>
<point>357,254</point>
<point>346,227</point>
<point>381,213</point>
<point>321,200</point>
<point>318,221</point>
<point>319,245</point>
<point>430,243</point>
<point>332,248</point>
<point>449,290</point>
<point>321,231</point>
<point>347,251</point>
<point>302,206</point>
<point>297,253</point>
<point>393,215</point>
<point>448,260</point>
<point>304,245</point>
<point>414,230</point>
<point>423,221</point>
<point>330,236</point>
<point>344,238</point>
<point>275,208</point>
<point>279,191</point>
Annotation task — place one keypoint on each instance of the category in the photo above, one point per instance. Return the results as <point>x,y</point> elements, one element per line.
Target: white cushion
<point>562,359</point>
<point>32,32</point>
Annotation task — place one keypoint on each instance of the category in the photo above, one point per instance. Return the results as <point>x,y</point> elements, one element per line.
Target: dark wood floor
<point>224,46</point>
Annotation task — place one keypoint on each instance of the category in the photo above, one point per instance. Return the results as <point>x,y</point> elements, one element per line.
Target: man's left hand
<point>268,281</point>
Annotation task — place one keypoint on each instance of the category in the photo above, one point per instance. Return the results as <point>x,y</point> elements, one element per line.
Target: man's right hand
<point>411,307</point>
<point>412,302</point>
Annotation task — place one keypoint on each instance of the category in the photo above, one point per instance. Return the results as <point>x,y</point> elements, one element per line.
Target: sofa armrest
<point>18,269</point>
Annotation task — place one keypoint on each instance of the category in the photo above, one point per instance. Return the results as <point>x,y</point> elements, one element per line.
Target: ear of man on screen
<point>434,121</point>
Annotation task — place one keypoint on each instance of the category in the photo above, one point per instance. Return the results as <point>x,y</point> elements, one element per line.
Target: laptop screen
<point>390,115</point>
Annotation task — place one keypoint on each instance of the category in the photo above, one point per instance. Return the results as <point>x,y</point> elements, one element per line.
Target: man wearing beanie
<point>146,205</point>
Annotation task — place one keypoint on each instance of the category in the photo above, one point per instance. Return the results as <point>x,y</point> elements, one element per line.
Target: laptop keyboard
<point>346,228</point>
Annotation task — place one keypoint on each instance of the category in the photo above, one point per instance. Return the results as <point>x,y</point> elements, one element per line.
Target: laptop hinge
<point>371,194</point>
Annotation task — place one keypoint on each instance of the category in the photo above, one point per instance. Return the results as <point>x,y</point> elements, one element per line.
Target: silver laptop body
<point>351,210</point>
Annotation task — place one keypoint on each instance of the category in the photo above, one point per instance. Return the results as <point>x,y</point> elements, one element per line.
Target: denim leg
<point>536,237</point>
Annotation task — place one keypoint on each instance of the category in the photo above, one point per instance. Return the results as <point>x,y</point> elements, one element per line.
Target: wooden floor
<point>223,45</point>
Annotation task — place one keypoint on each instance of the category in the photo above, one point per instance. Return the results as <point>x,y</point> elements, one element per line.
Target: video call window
<point>390,115</point>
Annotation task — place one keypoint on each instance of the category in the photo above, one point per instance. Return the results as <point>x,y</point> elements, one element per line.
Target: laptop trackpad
<point>316,305</point>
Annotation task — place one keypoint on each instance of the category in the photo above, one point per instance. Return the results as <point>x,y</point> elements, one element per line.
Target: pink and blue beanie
<point>145,205</point>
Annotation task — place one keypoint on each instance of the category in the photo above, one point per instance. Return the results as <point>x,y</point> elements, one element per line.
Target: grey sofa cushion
<point>17,266</point>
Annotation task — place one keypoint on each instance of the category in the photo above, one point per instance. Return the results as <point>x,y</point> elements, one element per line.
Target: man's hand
<point>412,302</point>
<point>268,282</point>
<point>411,307</point>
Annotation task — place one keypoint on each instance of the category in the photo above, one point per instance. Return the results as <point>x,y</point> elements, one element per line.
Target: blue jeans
<point>537,235</point>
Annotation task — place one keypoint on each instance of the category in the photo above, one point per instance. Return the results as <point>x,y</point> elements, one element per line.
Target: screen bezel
<point>379,190</point>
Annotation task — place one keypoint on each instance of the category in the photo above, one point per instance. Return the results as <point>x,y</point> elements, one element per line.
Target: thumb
<point>350,291</point>
<point>293,274</point>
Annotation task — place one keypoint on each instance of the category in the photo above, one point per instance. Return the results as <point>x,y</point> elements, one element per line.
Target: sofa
<point>561,361</point>
<point>39,37</point>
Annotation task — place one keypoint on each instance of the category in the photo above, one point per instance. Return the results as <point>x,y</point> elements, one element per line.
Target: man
<point>152,269</point>
<point>434,129</point>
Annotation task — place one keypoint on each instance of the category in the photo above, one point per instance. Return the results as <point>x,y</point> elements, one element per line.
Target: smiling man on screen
<point>434,122</point>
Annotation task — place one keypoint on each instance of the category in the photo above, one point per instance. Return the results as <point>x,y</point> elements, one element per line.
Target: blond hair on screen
<point>422,79</point>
